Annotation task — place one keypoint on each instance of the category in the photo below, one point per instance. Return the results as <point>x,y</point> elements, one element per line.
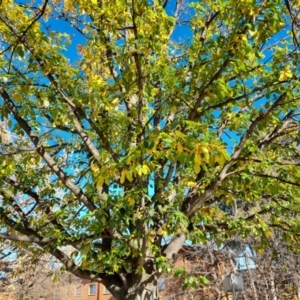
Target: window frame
<point>89,290</point>
<point>161,284</point>
<point>80,291</point>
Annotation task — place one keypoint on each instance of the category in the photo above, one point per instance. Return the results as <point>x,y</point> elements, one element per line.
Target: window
<point>161,283</point>
<point>106,291</point>
<point>78,291</point>
<point>92,289</point>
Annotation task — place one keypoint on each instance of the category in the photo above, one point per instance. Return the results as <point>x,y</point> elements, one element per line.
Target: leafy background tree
<point>137,143</point>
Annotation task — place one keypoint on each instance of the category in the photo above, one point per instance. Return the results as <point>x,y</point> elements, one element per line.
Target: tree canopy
<point>131,127</point>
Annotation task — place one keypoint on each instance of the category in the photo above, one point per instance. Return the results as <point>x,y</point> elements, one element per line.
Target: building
<point>86,290</point>
<point>196,260</point>
<point>6,296</point>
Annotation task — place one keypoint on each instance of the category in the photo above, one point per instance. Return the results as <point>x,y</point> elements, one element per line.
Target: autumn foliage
<point>130,127</point>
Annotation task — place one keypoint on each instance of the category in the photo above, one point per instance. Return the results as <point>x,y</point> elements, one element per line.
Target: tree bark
<point>143,291</point>
<point>297,285</point>
<point>147,294</point>
<point>145,286</point>
<point>273,286</point>
<point>267,287</point>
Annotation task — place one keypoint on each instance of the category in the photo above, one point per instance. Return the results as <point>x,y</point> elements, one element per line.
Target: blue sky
<point>181,33</point>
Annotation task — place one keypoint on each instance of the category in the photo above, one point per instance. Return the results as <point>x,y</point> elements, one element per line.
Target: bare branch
<point>27,239</point>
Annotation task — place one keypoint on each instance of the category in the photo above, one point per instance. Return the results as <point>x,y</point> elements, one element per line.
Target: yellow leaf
<point>56,233</point>
<point>94,168</point>
<point>251,56</point>
<point>54,277</point>
<point>129,175</point>
<point>115,102</point>
<point>112,105</point>
<point>173,109</point>
<point>145,169</point>
<point>252,33</point>
<point>205,150</point>
<point>220,159</point>
<point>191,184</point>
<point>115,268</point>
<point>100,182</point>
<point>179,147</point>
<point>140,172</point>
<point>206,153</point>
<point>46,102</point>
<point>122,179</point>
<point>130,200</point>
<point>284,75</point>
<point>268,233</point>
<point>95,115</point>
<point>18,98</point>
<point>94,1</point>
<point>197,168</point>
<point>163,231</point>
<point>198,149</point>
<point>260,250</point>
<point>128,160</point>
<point>197,159</point>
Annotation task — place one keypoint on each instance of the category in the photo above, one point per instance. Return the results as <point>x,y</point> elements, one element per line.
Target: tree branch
<point>27,239</point>
<point>275,177</point>
<point>43,153</point>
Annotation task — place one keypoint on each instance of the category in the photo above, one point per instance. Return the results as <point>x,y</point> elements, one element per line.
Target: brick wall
<point>91,291</point>
<point>216,263</point>
<point>6,296</point>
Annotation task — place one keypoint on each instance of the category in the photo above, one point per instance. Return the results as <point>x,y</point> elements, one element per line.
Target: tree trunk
<point>273,287</point>
<point>145,286</point>
<point>141,292</point>
<point>267,287</point>
<point>147,293</point>
<point>252,282</point>
<point>297,285</point>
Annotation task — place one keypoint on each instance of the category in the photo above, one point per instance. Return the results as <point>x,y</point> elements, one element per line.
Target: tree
<point>5,269</point>
<point>34,281</point>
<point>272,274</point>
<point>128,127</point>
